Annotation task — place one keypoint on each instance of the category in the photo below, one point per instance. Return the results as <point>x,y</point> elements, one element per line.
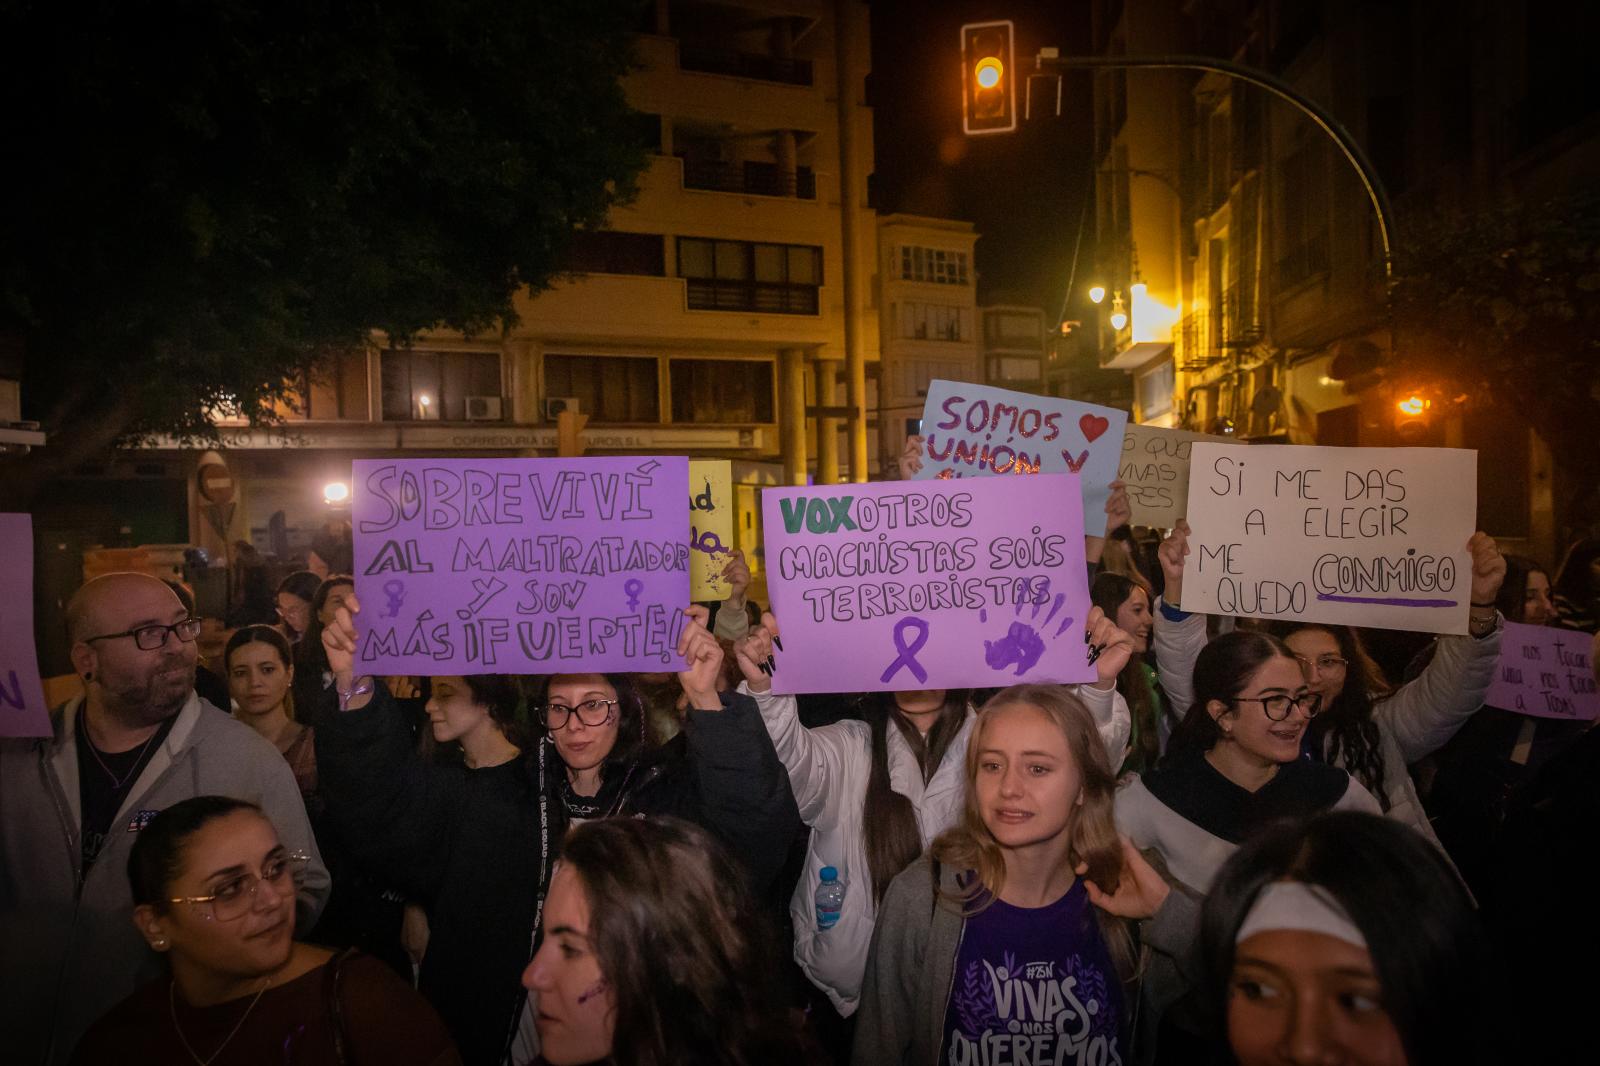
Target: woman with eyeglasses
<point>1232,767</point>
<point>477,843</point>
<point>214,892</point>
<point>294,599</point>
<point>1376,733</point>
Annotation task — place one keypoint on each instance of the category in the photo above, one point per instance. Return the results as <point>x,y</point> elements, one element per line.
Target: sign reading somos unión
<point>915,585</point>
<point>979,430</point>
<point>521,566</point>
<point>1352,536</point>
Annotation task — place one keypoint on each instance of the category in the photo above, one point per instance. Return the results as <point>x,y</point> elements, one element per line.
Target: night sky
<point>1026,190</point>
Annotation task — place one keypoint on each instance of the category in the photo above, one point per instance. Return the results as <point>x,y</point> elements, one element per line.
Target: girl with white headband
<point>1346,939</point>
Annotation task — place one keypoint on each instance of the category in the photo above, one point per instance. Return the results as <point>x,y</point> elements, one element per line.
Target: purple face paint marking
<point>907,657</point>
<point>1386,602</point>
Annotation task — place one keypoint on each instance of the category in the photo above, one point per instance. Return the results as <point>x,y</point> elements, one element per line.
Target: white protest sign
<point>1546,673</point>
<point>1349,536</point>
<point>1155,467</point>
<point>979,430</point>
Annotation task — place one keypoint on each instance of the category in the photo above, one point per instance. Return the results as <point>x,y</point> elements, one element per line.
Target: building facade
<point>928,318</point>
<point>1245,250</point>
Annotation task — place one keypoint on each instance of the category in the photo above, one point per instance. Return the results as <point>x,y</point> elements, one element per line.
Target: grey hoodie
<point>69,951</point>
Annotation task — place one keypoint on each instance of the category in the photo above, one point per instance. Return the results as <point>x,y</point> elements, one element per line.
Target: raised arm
<point>814,759</point>
<point>1178,637</point>
<point>393,810</point>
<point>1112,648</point>
<point>1425,713</point>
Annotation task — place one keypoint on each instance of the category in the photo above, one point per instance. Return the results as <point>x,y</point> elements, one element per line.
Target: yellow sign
<point>711,510</point>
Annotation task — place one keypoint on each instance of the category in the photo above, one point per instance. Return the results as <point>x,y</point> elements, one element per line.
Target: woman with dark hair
<point>875,792</point>
<point>1376,733</point>
<point>655,954</point>
<point>1233,766</point>
<point>476,843</point>
<point>293,599</point>
<point>1476,774</point>
<point>1577,588</point>
<point>257,662</point>
<point>1001,939</point>
<point>214,891</point>
<point>312,676</point>
<point>1345,938</point>
<point>1127,602</point>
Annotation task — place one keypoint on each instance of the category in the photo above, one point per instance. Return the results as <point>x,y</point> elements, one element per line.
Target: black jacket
<point>476,846</point>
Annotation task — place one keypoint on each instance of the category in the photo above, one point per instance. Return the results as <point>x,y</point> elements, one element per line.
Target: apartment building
<point>729,311</point>
<point>1244,251</point>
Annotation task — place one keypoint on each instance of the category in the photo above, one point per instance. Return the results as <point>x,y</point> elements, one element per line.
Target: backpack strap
<point>330,991</point>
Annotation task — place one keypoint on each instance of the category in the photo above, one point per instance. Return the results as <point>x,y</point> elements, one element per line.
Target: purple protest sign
<point>1546,673</point>
<point>22,709</point>
<point>521,566</point>
<point>976,583</point>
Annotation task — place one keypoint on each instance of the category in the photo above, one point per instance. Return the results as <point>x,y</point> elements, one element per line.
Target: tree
<point>210,196</point>
<point>1505,306</point>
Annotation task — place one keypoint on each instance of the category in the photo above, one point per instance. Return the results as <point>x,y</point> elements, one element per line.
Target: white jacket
<point>828,771</point>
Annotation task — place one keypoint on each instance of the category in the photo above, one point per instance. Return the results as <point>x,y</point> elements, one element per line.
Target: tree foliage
<point>1505,306</point>
<point>208,195</point>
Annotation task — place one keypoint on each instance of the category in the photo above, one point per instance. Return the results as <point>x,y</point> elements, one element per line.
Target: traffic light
<point>989,78</point>
<point>1413,415</point>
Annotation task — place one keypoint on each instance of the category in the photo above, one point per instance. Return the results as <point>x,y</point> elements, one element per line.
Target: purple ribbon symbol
<point>908,655</point>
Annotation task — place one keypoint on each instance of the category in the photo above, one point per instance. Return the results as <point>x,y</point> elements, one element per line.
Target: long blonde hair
<point>969,845</point>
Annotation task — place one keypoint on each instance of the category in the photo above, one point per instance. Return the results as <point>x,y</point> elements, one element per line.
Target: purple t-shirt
<point>1034,987</point>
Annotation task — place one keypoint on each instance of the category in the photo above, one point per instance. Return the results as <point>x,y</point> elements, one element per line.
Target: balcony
<point>770,298</point>
<point>706,59</point>
<point>1304,261</point>
<point>754,178</point>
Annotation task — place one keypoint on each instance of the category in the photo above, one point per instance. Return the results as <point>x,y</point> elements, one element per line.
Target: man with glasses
<point>138,740</point>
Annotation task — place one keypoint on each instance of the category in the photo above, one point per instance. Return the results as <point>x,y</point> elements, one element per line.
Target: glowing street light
<point>988,72</point>
<point>1119,314</point>
<point>1097,293</point>
<point>1412,405</point>
<point>335,492</point>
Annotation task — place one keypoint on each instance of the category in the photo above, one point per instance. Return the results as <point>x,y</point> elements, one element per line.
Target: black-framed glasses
<point>554,716</point>
<point>1323,664</point>
<point>149,638</point>
<point>230,900</point>
<point>1278,707</point>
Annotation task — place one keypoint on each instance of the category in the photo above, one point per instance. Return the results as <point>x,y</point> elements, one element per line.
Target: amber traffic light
<point>988,78</point>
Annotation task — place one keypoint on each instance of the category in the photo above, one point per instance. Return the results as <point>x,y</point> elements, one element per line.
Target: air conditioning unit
<point>555,405</point>
<point>484,409</point>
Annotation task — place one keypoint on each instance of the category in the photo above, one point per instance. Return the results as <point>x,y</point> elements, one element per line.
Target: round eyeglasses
<point>1278,707</point>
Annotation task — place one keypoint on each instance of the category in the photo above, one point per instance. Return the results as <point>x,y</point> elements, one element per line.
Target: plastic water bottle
<point>829,898</point>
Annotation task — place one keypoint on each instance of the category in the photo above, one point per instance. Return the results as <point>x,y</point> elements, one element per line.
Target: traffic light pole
<point>1050,59</point>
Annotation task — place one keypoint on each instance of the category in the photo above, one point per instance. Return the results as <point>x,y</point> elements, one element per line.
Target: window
<point>613,252</point>
<point>434,386</point>
<point>1303,213</point>
<point>608,388</point>
<point>938,265</point>
<point>1013,329</point>
<point>934,322</point>
<point>1155,390</point>
<point>721,390</point>
<point>780,279</point>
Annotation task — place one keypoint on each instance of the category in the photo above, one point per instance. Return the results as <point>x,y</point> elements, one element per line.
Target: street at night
<point>843,532</point>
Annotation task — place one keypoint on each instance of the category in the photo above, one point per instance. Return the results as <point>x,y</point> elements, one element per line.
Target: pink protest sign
<point>975,583</point>
<point>22,709</point>
<point>521,566</point>
<point>1546,673</point>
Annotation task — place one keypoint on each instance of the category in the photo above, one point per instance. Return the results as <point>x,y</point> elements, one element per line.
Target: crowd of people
<point>1240,843</point>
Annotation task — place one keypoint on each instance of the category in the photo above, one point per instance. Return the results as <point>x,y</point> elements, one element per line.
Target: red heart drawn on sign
<point>1093,426</point>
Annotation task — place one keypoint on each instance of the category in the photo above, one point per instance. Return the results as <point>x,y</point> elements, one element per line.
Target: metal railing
<point>707,59</point>
<point>754,178</point>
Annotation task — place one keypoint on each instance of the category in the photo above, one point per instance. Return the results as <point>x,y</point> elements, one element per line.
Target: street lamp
<point>1119,314</point>
<point>1097,293</point>
<point>335,493</point>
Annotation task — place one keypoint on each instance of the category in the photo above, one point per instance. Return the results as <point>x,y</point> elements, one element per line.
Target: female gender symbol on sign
<point>631,589</point>
<point>908,654</point>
